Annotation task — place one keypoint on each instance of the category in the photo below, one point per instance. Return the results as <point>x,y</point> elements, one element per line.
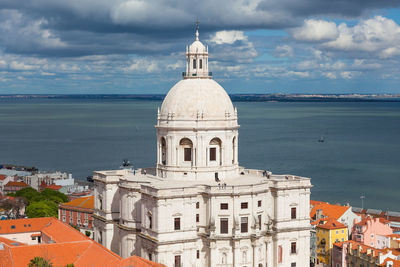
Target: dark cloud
<point>87,27</point>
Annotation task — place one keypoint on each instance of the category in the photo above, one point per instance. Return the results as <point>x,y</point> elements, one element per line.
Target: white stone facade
<point>198,207</point>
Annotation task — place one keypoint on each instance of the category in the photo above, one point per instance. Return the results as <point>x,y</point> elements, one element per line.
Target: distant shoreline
<point>234,97</point>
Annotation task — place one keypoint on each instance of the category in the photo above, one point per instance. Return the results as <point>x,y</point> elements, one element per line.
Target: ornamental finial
<point>197,29</point>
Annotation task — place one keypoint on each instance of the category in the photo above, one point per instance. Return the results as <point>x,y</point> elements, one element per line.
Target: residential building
<point>198,207</point>
<point>355,254</point>
<point>372,232</point>
<point>392,216</point>
<point>23,239</point>
<point>343,214</point>
<point>328,232</point>
<point>37,180</point>
<point>4,179</point>
<point>78,212</point>
<point>12,187</point>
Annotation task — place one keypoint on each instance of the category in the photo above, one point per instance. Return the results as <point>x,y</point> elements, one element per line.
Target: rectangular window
<point>243,224</point>
<point>293,264</point>
<point>293,213</point>
<point>194,63</point>
<point>86,216</point>
<point>213,154</point>
<point>197,217</point>
<point>188,154</point>
<point>177,223</point>
<point>197,205</point>
<point>150,222</point>
<point>279,254</point>
<point>293,248</point>
<point>63,212</point>
<point>244,205</point>
<point>224,225</point>
<point>177,261</point>
<point>63,218</point>
<point>259,222</point>
<point>259,203</point>
<point>150,257</point>
<point>200,63</point>
<point>198,254</point>
<point>224,206</point>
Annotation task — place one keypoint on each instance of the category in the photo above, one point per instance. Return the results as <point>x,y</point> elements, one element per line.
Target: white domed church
<point>198,207</point>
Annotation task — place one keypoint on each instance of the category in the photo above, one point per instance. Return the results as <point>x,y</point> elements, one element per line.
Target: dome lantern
<point>197,60</point>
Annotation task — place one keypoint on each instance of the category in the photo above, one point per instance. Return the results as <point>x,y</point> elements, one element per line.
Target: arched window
<point>187,147</point>
<point>200,64</point>
<point>214,153</point>
<point>163,151</point>
<point>194,63</point>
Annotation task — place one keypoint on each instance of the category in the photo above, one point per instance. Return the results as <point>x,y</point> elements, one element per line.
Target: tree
<point>42,209</point>
<point>40,262</point>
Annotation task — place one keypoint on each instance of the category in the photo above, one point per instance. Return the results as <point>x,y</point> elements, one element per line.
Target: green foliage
<point>88,233</point>
<point>43,204</point>
<point>69,265</point>
<point>29,193</point>
<point>39,262</point>
<point>43,208</point>
<point>55,196</point>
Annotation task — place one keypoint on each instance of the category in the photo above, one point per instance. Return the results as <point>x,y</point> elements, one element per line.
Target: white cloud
<point>329,75</point>
<point>315,30</point>
<point>228,37</point>
<point>283,51</point>
<point>379,35</point>
<point>14,65</point>
<point>142,65</point>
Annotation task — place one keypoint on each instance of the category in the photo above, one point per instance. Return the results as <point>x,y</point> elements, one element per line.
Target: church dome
<point>195,99</point>
<point>197,47</point>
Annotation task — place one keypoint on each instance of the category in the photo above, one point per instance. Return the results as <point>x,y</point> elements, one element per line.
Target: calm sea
<point>360,154</point>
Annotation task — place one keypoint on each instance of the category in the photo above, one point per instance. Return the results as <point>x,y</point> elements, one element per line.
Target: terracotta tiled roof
<point>68,246</point>
<point>329,210</point>
<point>394,235</point>
<point>2,177</point>
<point>82,202</point>
<point>329,224</point>
<point>54,187</point>
<point>366,219</point>
<point>23,225</point>
<point>396,263</point>
<point>316,202</point>
<point>20,184</point>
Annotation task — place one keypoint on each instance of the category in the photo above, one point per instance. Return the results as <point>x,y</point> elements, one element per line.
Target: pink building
<point>372,232</point>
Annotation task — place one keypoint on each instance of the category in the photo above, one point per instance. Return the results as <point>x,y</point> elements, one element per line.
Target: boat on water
<point>321,139</point>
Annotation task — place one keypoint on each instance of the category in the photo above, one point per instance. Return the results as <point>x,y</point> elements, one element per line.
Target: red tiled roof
<point>19,184</point>
<point>329,210</point>
<point>82,202</point>
<point>366,219</point>
<point>329,223</point>
<point>316,202</point>
<point>2,177</point>
<point>396,263</point>
<point>69,247</point>
<point>23,225</point>
<point>54,187</point>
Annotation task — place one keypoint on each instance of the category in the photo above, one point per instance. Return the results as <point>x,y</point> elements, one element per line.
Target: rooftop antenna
<point>362,200</point>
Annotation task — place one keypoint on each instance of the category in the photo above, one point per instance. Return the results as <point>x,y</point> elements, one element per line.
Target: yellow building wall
<point>331,237</point>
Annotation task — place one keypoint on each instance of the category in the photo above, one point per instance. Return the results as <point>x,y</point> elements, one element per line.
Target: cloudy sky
<point>256,46</point>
